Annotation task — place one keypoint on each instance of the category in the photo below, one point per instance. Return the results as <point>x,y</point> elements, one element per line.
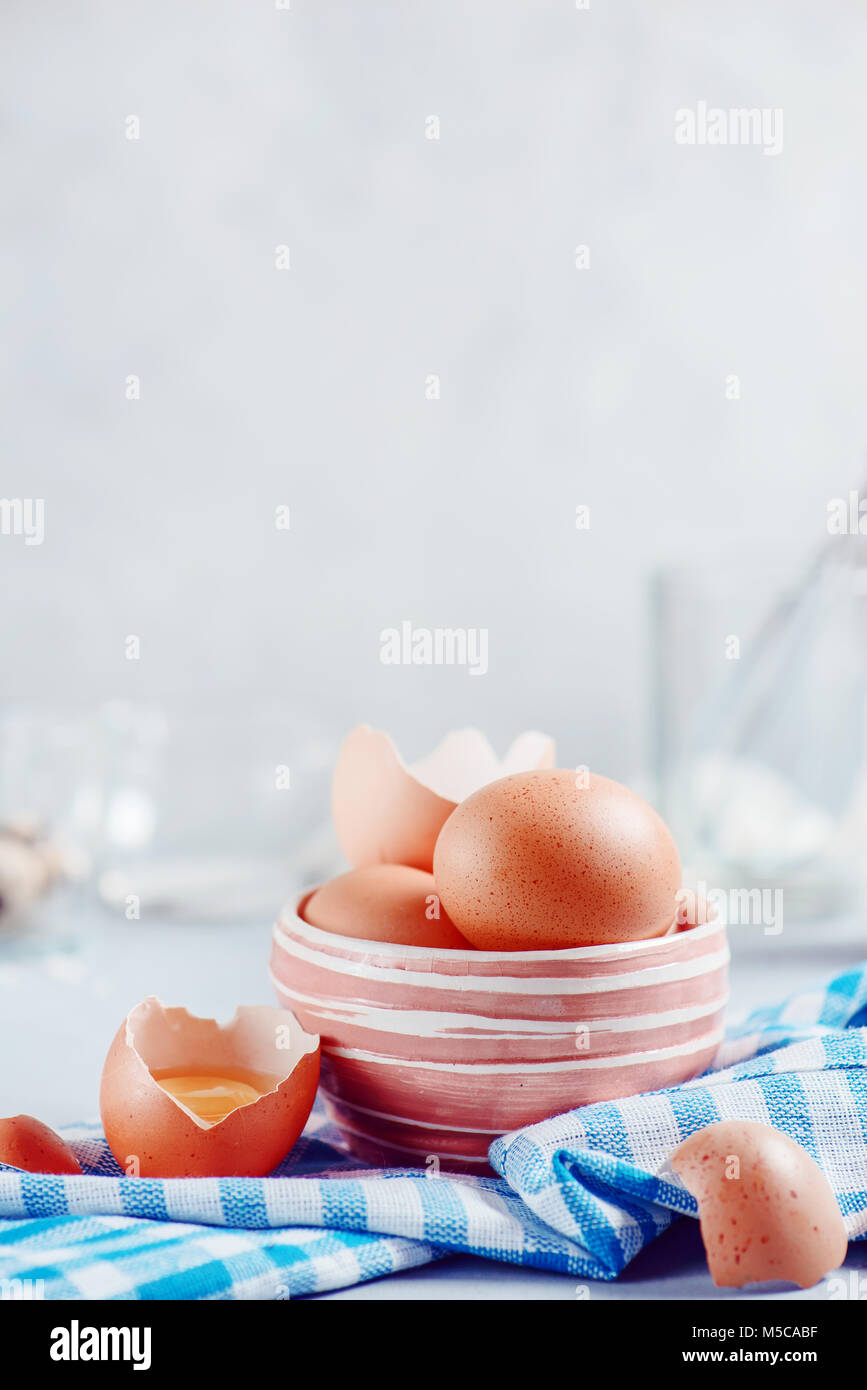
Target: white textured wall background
<point>261,127</point>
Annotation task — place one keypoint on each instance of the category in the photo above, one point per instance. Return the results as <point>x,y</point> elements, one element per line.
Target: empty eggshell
<point>765,1207</point>
<point>263,1053</point>
<point>547,860</point>
<point>29,1144</point>
<point>385,902</point>
<point>386,812</point>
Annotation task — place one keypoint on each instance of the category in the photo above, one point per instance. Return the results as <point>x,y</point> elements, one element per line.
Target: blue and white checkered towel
<point>581,1193</point>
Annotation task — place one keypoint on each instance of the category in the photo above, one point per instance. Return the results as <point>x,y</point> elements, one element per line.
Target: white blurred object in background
<point>760,718</point>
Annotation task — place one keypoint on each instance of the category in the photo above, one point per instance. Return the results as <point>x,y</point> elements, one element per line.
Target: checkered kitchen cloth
<point>581,1193</point>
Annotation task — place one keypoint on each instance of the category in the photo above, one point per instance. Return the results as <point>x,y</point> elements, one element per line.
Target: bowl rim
<point>609,950</point>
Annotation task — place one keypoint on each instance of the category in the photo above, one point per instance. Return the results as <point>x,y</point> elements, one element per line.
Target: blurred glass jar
<point>173,811</point>
<point>211,815</point>
<point>760,696</point>
<point>51,779</point>
<point>52,775</point>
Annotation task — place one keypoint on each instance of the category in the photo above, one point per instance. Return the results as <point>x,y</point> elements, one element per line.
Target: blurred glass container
<point>211,815</point>
<point>52,772</point>
<point>760,689</point>
<point>51,779</point>
<point>172,811</point>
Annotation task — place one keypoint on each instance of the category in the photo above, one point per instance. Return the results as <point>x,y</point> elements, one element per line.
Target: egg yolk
<point>212,1098</point>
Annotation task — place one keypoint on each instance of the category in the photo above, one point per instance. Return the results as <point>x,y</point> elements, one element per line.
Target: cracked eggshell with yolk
<point>765,1207</point>
<point>152,1134</point>
<point>386,812</point>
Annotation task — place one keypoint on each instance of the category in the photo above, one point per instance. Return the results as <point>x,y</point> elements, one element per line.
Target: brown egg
<point>541,861</point>
<point>29,1144</point>
<point>184,1097</point>
<point>386,902</point>
<point>766,1208</point>
<point>388,812</point>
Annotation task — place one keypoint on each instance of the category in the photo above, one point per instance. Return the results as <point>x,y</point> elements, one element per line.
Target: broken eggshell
<point>388,812</point>
<point>765,1207</point>
<point>152,1134</point>
<point>29,1144</point>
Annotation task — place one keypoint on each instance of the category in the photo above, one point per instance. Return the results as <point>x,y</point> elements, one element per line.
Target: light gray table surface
<point>65,988</point>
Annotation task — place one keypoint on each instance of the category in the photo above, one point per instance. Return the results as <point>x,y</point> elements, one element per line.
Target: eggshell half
<point>385,902</point>
<point>765,1207</point>
<point>29,1144</point>
<point>152,1135</point>
<point>543,861</point>
<point>386,812</point>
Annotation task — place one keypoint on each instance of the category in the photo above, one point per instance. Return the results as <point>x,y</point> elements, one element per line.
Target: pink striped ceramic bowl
<point>428,1055</point>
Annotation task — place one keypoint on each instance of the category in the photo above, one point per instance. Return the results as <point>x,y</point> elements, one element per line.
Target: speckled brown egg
<point>385,902</point>
<point>766,1209</point>
<point>551,859</point>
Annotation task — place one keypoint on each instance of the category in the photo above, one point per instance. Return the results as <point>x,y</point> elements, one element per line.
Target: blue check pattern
<point>582,1193</point>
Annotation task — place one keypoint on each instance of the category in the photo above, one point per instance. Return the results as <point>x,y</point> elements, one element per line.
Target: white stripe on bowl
<point>429,1023</point>
<point>626,1059</point>
<point>509,984</point>
<point>608,951</point>
<point>402,1120</point>
<point>408,1148</point>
